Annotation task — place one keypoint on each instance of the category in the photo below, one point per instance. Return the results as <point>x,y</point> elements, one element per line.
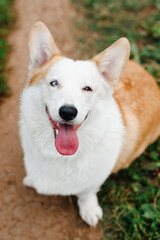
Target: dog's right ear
<point>112,61</point>
<point>41,45</point>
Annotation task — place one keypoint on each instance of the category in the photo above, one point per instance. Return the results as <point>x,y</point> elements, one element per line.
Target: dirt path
<point>25,215</point>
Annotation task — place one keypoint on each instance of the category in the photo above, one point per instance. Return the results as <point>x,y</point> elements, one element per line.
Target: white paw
<point>91,215</point>
<point>27,182</point>
<point>41,191</point>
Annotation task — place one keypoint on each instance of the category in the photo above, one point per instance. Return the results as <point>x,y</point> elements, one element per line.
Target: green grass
<point>109,20</point>
<point>7,17</point>
<point>131,198</point>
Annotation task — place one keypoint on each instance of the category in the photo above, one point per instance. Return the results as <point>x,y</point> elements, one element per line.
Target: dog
<point>80,121</point>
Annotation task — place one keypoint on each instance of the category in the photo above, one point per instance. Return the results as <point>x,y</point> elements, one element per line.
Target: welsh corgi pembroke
<point>80,121</point>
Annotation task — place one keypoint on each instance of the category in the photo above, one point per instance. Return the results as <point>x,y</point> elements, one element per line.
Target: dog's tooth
<point>56,131</point>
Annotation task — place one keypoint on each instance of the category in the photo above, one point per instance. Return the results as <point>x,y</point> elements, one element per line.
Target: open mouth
<point>66,140</point>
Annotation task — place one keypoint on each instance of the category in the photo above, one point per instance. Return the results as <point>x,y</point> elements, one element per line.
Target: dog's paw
<point>27,182</point>
<point>41,191</point>
<point>91,215</point>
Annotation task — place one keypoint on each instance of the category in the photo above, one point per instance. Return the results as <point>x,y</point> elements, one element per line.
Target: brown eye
<point>87,88</point>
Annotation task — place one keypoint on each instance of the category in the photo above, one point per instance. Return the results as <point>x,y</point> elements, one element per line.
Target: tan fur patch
<point>138,97</point>
<point>38,74</point>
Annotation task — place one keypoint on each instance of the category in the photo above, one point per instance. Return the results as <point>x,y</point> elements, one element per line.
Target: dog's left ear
<point>41,45</point>
<point>112,61</point>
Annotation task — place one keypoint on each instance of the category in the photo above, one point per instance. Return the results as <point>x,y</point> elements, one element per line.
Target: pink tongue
<point>66,141</point>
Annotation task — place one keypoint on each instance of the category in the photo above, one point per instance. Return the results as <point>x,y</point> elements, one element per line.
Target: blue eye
<point>54,83</point>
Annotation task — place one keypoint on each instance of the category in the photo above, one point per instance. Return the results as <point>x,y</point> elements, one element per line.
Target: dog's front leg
<point>89,208</point>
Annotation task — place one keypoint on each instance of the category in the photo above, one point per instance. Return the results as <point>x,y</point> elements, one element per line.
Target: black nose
<point>68,112</point>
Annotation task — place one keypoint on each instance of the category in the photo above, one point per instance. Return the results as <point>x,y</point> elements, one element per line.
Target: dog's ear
<point>112,61</point>
<point>41,45</point>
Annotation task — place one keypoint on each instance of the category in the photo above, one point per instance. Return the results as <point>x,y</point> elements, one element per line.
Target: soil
<point>25,215</point>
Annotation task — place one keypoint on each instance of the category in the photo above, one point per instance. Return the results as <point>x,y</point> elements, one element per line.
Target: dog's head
<point>71,89</point>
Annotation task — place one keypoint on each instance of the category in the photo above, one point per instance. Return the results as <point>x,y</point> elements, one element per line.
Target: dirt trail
<point>25,215</point>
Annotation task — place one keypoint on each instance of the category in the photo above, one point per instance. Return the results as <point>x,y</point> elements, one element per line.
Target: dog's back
<point>138,97</point>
